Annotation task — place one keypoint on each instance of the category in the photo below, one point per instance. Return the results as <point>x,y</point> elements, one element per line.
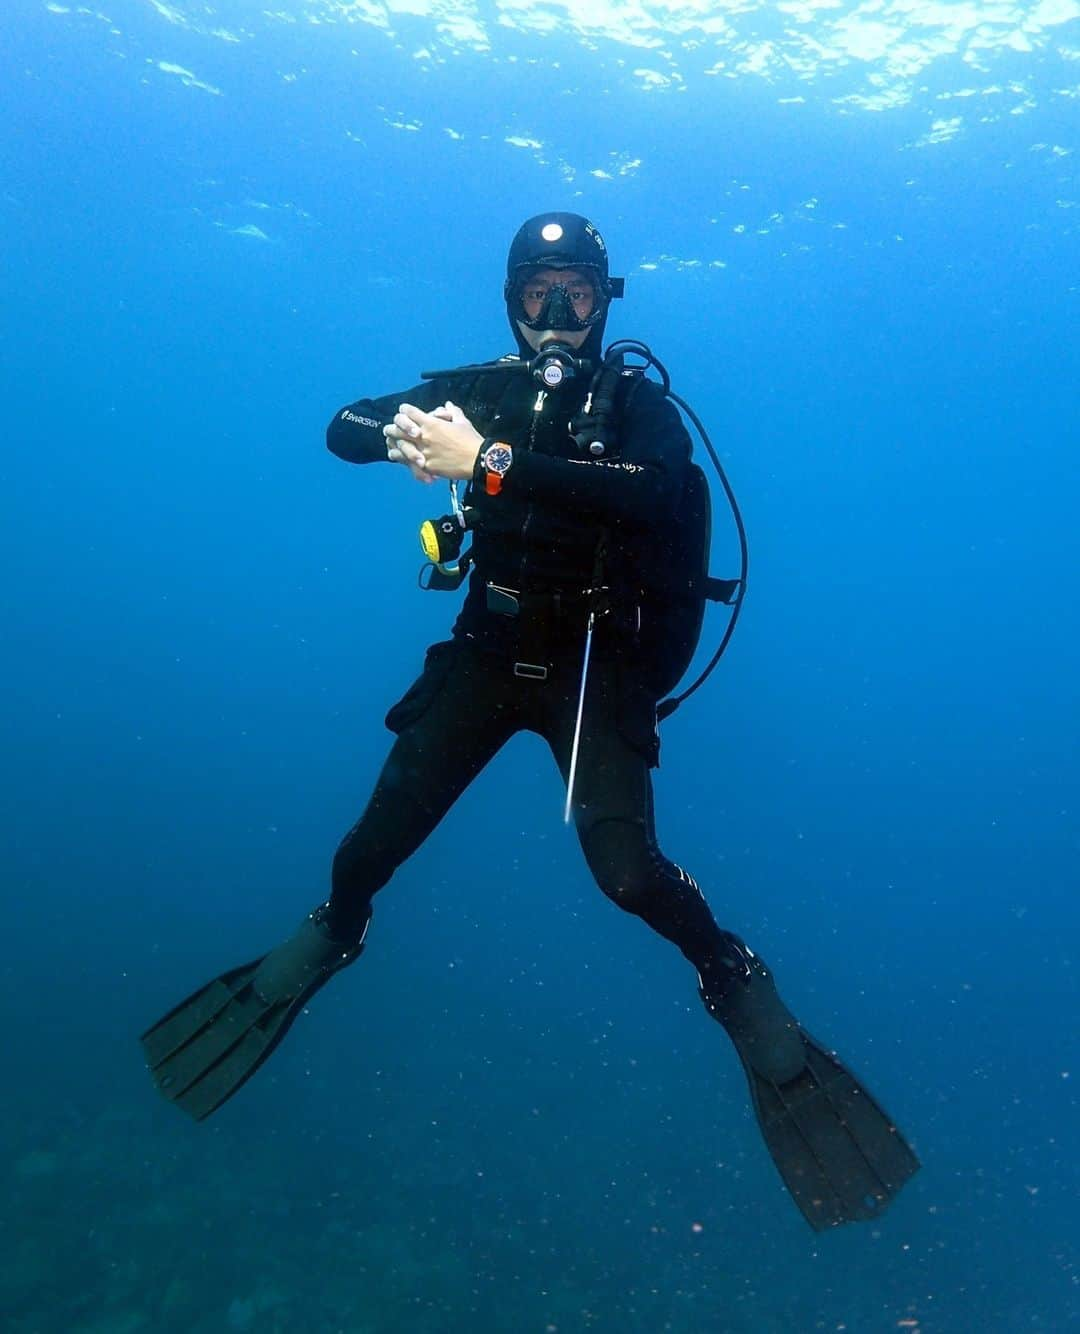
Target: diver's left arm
<point>641,486</point>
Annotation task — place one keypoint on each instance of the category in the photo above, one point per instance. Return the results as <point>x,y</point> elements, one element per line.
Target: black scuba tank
<point>677,588</point>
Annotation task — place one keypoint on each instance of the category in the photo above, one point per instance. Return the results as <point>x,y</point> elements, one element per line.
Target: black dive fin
<point>838,1152</point>
<point>202,1051</point>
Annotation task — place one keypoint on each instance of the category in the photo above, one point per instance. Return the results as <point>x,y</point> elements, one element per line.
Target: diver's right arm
<point>356,432</point>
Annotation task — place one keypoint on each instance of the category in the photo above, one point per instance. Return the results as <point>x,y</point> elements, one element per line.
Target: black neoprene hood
<point>561,240</point>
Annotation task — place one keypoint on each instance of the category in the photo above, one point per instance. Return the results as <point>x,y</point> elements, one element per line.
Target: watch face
<point>498,459</point>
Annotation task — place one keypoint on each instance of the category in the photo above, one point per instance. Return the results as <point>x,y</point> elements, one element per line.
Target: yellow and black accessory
<point>441,540</point>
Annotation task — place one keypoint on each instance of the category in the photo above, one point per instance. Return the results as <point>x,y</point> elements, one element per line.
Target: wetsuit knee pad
<point>623,862</point>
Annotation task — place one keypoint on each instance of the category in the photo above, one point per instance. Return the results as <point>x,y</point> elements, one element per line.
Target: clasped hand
<point>443,443</point>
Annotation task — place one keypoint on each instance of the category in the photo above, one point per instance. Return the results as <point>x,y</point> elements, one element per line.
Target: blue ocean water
<point>850,232</point>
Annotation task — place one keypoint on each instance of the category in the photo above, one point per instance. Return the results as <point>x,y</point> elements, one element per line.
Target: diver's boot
<point>741,995</point>
<point>201,1052</point>
<point>838,1152</point>
<point>304,962</point>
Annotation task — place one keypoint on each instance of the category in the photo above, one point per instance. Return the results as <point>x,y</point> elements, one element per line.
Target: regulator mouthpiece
<point>555,364</point>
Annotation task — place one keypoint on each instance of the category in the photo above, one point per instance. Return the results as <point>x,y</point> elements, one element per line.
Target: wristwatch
<point>495,460</point>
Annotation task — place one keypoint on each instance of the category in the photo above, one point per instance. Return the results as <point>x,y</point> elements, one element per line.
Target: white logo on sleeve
<point>348,416</point>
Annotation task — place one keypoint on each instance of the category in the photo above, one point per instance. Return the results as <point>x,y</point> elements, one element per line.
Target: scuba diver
<point>571,475</point>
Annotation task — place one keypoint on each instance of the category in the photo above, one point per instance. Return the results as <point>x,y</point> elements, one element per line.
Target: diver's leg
<point>613,812</point>
<point>450,723</point>
<point>450,727</point>
<point>838,1152</point>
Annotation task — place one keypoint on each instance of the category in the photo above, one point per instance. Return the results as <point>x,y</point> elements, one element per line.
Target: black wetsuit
<point>540,537</point>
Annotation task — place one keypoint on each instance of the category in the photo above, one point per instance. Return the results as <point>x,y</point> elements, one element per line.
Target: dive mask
<point>564,306</point>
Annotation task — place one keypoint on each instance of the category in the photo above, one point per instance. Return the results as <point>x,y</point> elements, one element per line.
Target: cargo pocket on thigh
<point>438,664</point>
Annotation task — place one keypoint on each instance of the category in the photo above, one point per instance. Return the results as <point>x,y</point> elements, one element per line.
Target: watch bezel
<point>497,458</point>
